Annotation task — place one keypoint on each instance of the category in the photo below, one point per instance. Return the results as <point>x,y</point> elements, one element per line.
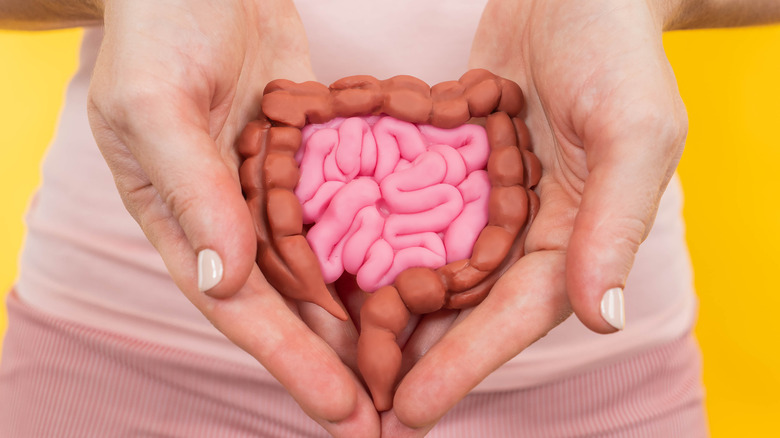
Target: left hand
<point>608,124</point>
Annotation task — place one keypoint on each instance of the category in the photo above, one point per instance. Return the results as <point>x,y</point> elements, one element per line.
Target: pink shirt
<point>85,259</point>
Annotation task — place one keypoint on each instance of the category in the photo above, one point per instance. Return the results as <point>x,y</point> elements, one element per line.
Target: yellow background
<point>730,81</point>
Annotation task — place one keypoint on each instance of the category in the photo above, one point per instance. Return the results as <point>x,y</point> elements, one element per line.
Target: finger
<point>393,427</point>
<point>427,333</point>
<point>258,320</point>
<point>629,169</point>
<point>364,421</point>
<point>526,302</point>
<point>340,335</point>
<point>179,187</point>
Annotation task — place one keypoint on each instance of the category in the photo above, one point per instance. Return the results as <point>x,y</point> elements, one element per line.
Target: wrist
<point>697,14</point>
<point>50,14</point>
<point>672,14</point>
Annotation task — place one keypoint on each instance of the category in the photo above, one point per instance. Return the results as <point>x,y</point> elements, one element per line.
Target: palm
<point>607,124</point>
<point>174,84</point>
<point>588,74</point>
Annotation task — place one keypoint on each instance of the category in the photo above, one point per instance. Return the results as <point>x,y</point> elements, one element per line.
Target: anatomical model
<point>423,194</point>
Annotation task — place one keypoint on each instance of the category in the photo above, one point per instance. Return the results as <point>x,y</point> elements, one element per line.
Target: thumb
<point>627,176</point>
<point>184,194</point>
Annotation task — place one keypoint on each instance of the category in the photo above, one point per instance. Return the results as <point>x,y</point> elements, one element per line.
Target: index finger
<point>526,302</point>
<point>258,320</point>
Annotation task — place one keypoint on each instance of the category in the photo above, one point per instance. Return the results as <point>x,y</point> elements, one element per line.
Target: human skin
<point>281,190</point>
<point>603,107</point>
<point>174,84</point>
<point>595,40</point>
<point>197,96</point>
<point>49,14</point>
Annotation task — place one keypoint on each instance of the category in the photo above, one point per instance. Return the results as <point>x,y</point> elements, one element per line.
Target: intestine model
<point>397,184</point>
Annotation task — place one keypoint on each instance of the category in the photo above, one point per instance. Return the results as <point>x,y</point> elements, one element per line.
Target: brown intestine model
<point>271,173</point>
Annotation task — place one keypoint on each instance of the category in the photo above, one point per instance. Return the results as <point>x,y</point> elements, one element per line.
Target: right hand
<point>174,84</point>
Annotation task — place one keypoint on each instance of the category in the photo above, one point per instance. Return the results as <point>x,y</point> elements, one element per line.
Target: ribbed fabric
<point>657,393</point>
<point>63,379</point>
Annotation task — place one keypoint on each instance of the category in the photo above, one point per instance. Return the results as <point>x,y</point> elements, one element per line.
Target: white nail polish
<point>612,308</point>
<point>209,269</point>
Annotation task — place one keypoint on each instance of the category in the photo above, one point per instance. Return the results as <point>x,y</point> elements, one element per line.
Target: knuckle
<point>127,104</point>
<point>181,203</point>
<point>627,233</point>
<point>672,126</point>
<point>668,122</point>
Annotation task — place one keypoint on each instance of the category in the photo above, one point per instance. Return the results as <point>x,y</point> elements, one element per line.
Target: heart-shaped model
<point>399,185</point>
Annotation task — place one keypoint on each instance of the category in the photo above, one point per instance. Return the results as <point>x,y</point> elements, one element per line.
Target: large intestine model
<point>423,194</point>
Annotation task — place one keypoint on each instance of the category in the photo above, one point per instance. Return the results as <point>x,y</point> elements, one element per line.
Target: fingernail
<point>612,308</point>
<point>209,269</point>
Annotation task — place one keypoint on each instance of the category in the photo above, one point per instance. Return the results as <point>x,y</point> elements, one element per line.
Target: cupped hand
<point>174,84</point>
<point>608,125</point>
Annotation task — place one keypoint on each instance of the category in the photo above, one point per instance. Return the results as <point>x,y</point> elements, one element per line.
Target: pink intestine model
<point>386,195</point>
<point>395,185</point>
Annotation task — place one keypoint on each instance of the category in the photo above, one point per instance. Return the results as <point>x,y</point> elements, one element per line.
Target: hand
<point>174,85</point>
<point>608,125</point>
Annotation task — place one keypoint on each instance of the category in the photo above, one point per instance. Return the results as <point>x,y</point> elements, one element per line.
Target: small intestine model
<point>423,194</point>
